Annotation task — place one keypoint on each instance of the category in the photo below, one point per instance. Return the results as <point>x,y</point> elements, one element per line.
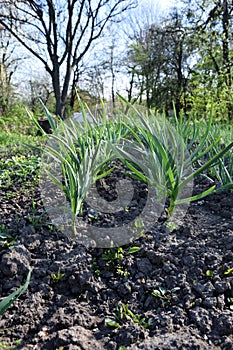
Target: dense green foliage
<point>186,58</point>
<point>166,157</point>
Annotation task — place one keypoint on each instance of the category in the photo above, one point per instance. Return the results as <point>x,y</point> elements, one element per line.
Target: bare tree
<point>59,33</point>
<point>9,62</point>
<point>40,89</point>
<point>100,73</point>
<point>157,60</point>
<point>138,22</point>
<point>89,76</point>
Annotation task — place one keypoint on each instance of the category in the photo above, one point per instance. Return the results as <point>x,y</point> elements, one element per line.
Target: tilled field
<point>174,292</point>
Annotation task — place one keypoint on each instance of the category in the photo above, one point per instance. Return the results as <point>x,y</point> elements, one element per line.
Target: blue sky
<point>163,4</point>
<point>33,69</point>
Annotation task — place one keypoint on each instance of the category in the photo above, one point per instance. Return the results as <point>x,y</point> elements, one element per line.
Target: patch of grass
<point>118,253</point>
<point>18,169</point>
<point>15,141</point>
<point>7,346</point>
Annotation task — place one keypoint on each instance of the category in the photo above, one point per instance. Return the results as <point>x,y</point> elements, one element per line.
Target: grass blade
<point>6,303</point>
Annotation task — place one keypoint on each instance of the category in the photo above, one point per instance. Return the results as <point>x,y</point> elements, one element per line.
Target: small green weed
<point>170,225</point>
<point>113,254</point>
<point>209,273</point>
<point>122,272</point>
<point>35,217</point>
<point>164,294</point>
<point>57,277</point>
<point>122,315</point>
<point>114,258</point>
<point>96,267</point>
<point>6,240</point>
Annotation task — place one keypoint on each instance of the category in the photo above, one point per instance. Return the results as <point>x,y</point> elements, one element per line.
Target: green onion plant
<point>76,154</point>
<point>8,301</point>
<point>167,157</point>
<point>162,148</point>
<point>204,140</point>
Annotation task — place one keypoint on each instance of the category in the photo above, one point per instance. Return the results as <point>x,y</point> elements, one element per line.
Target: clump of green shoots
<point>76,155</point>
<point>114,258</point>
<point>56,277</point>
<point>162,158</point>
<point>123,315</point>
<point>204,140</point>
<point>36,216</point>
<point>159,154</point>
<point>6,240</point>
<point>164,294</point>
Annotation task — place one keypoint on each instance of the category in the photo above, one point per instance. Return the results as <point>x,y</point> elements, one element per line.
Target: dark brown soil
<point>71,313</point>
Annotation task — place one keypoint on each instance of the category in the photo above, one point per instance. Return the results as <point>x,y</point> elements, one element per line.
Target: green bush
<point>16,120</point>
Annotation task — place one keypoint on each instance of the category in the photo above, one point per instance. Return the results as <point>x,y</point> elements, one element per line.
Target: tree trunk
<point>179,79</point>
<point>74,84</point>
<point>130,90</point>
<point>55,75</point>
<point>226,50</point>
<point>225,43</point>
<point>65,88</point>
